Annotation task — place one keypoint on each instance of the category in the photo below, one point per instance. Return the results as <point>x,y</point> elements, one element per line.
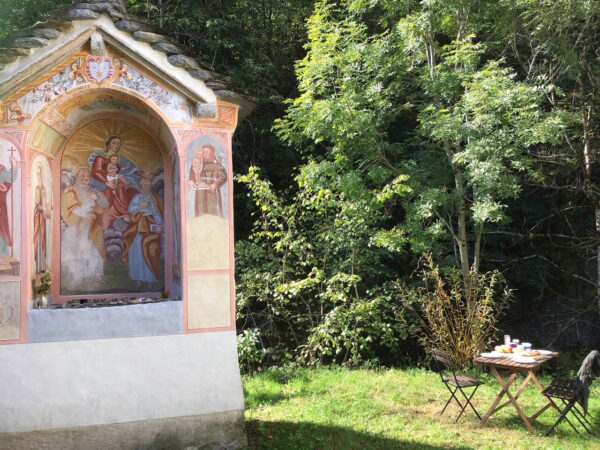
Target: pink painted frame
<point>220,135</point>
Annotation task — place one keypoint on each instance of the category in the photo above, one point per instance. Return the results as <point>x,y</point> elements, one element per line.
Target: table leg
<point>541,388</point>
<point>511,398</point>
<point>519,391</point>
<point>493,409</point>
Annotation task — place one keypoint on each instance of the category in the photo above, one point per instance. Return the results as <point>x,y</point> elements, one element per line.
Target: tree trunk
<point>461,236</point>
<point>588,187</point>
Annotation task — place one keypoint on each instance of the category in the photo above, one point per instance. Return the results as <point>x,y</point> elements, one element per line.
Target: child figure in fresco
<point>116,192</point>
<point>112,173</point>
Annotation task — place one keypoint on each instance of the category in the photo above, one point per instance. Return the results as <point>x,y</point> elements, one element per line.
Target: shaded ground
<point>319,437</point>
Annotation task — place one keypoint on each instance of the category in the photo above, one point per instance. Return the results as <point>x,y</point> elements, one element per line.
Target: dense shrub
<point>313,278</point>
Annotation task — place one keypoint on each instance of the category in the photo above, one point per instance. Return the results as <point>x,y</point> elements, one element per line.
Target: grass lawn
<point>391,409</point>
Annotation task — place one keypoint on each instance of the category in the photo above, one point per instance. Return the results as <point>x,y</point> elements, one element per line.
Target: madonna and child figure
<point>121,183</point>
<point>111,206</point>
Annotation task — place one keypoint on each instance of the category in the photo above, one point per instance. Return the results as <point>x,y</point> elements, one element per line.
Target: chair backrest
<point>588,372</point>
<point>590,368</point>
<point>442,361</point>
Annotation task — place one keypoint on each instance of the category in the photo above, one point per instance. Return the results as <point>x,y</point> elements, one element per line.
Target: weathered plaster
<point>207,243</point>
<point>209,303</point>
<point>10,310</point>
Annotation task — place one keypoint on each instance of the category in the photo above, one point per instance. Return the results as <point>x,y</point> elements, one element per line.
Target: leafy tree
<point>369,66</point>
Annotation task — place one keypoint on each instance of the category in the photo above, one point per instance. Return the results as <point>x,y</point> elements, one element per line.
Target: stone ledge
<point>67,324</point>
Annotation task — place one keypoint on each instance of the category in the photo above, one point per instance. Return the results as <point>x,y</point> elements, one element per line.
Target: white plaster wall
<point>79,383</point>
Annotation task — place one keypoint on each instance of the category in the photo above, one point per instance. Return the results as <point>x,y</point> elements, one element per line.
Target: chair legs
<point>570,406</point>
<point>581,417</point>
<point>462,407</point>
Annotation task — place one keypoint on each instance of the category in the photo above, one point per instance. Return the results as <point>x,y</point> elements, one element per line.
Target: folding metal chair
<point>568,391</point>
<point>444,365</point>
<point>572,392</point>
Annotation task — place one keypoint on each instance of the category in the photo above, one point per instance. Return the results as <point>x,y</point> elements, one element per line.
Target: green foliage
<point>24,13</point>
<point>366,70</point>
<point>302,280</point>
<point>45,283</point>
<point>251,352</point>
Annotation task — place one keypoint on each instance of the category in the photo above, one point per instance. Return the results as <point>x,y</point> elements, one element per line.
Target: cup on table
<point>526,346</point>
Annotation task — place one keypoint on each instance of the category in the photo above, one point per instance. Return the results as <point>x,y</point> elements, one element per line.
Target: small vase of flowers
<point>44,288</point>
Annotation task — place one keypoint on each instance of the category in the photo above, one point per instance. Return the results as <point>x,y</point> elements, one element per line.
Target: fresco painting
<point>46,139</point>
<point>87,105</point>
<point>176,219</point>
<point>112,227</point>
<point>174,105</point>
<point>10,209</point>
<point>42,210</point>
<point>207,205</point>
<point>10,313</point>
<point>24,109</point>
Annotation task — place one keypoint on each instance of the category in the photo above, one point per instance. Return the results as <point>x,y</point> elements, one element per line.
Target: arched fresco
<point>112,211</point>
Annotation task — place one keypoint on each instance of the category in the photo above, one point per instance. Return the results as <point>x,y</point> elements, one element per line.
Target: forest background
<point>391,129</point>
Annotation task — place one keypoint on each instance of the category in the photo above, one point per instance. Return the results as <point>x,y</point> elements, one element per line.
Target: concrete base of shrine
<point>208,431</point>
<point>147,392</point>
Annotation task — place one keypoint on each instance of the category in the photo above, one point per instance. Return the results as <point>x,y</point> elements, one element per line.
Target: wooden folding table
<point>511,369</point>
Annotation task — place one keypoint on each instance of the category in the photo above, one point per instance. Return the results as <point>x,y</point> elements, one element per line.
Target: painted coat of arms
<point>98,69</point>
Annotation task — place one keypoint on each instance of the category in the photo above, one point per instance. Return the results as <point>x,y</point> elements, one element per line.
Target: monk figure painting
<point>207,205</point>
<point>207,175</point>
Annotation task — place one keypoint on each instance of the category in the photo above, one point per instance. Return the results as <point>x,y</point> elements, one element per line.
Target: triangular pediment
<point>34,67</point>
<point>34,53</point>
